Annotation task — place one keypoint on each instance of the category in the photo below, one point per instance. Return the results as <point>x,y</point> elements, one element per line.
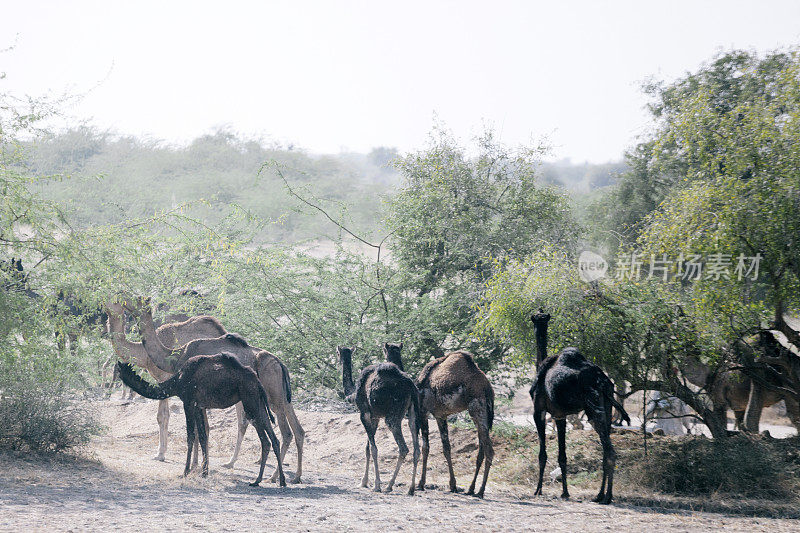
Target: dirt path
<point>120,486</point>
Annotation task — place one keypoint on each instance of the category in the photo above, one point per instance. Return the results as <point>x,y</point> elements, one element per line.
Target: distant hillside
<point>581,177</point>
<point>112,178</point>
<point>109,178</point>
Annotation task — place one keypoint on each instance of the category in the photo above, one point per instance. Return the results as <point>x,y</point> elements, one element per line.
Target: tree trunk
<point>755,404</point>
<point>717,425</point>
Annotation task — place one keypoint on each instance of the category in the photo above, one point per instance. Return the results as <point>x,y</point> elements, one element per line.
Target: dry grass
<point>744,475</point>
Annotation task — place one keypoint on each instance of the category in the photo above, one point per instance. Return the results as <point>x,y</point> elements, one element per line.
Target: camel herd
<point>198,360</point>
<point>208,367</point>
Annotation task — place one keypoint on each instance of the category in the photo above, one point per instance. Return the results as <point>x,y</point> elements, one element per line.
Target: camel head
<point>540,321</point>
<point>136,304</point>
<point>392,353</point>
<point>346,360</point>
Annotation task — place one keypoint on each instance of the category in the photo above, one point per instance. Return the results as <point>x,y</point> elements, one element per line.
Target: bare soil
<point>116,484</point>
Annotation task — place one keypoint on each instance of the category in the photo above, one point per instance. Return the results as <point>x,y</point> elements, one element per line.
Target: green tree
<point>455,215</point>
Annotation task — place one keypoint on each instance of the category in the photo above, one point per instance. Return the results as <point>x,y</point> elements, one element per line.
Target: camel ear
<point>401,345</point>
<point>386,347</point>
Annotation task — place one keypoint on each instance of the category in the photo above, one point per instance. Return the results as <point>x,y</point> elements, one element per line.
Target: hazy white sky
<point>351,75</point>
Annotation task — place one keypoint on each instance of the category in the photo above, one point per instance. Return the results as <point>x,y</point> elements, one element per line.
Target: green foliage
<point>741,159</point>
<point>632,329</point>
<point>112,179</point>
<point>453,219</point>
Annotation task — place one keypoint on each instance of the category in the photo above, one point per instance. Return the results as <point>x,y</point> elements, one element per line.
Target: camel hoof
<point>376,489</point>
<point>479,495</point>
<point>471,492</point>
<point>227,465</point>
<point>565,496</point>
<point>388,489</point>
<point>159,458</point>
<point>255,484</point>
<point>295,481</point>
<point>410,491</point>
<point>538,492</point>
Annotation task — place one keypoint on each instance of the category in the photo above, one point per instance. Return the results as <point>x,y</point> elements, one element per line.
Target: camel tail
<point>417,411</point>
<point>490,406</point>
<point>155,392</point>
<point>266,402</point>
<point>287,384</point>
<point>619,407</point>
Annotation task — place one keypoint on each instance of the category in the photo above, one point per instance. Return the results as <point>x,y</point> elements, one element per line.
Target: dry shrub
<point>43,418</point>
<point>747,466</point>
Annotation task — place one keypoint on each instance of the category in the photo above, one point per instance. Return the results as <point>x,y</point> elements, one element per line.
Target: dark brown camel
<point>172,335</point>
<point>449,385</point>
<point>383,391</point>
<point>540,321</point>
<point>567,384</point>
<point>213,382</point>
<point>272,373</point>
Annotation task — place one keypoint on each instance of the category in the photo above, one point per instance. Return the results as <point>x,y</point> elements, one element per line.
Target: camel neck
<point>130,351</point>
<point>155,349</point>
<point>540,321</point>
<point>347,374</point>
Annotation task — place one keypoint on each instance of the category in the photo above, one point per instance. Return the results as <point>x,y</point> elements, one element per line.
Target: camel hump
<point>571,357</point>
<point>236,338</point>
<point>234,362</point>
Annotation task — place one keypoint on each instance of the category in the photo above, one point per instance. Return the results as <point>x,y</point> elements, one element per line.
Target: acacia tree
<point>457,214</point>
<point>635,330</point>
<point>736,126</point>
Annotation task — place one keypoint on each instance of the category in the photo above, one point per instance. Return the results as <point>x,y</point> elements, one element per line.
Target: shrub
<point>43,417</point>
<point>742,465</point>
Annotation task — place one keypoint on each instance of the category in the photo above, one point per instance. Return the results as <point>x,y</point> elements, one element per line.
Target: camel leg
<point>609,461</point>
<point>202,435</point>
<point>396,427</point>
<point>412,426</point>
<point>426,448</point>
<point>374,450</point>
<point>479,461</point>
<point>371,425</point>
<point>561,427</point>
<point>242,423</point>
<point>721,414</point>
<point>793,412</point>
<point>190,436</point>
<point>365,479</point>
<point>265,445</point>
<point>206,428</point>
<point>299,439</point>
<point>739,416</point>
<point>286,434</point>
<point>539,418</point>
<point>480,418</point>
<point>445,435</point>
<point>163,422</point>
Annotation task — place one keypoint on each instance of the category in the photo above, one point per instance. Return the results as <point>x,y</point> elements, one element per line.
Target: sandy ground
<point>120,486</point>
